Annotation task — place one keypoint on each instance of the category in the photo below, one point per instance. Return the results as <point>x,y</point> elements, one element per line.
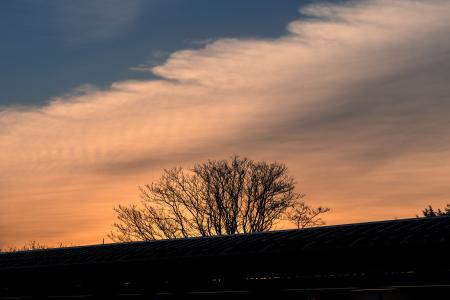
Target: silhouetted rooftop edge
<point>379,234</point>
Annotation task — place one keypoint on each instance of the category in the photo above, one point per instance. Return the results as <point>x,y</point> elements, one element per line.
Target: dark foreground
<point>400,259</point>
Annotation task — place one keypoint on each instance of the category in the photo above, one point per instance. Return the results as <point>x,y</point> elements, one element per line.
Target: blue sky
<point>49,47</point>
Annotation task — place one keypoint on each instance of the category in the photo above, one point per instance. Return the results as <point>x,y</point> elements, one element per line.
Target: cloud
<point>156,58</point>
<point>353,98</point>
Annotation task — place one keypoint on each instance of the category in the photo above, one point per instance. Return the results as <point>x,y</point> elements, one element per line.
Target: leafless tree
<point>216,197</point>
<point>431,212</point>
<point>303,215</point>
<point>32,245</point>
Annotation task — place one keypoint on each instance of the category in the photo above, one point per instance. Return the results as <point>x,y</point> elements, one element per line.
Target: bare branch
<point>216,197</point>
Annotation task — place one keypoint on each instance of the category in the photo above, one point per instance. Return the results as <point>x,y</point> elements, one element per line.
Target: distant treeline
<point>33,245</point>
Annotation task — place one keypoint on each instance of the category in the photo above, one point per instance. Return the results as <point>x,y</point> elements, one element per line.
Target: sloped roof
<point>404,234</point>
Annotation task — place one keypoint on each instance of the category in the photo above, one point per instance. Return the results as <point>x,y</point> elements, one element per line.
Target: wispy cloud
<point>353,99</point>
<point>156,58</point>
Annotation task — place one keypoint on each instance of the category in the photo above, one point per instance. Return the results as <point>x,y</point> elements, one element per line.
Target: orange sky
<point>355,102</point>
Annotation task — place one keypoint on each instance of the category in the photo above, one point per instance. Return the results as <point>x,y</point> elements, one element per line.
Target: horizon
<point>53,247</point>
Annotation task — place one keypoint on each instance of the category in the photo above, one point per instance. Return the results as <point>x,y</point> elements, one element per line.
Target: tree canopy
<point>216,197</point>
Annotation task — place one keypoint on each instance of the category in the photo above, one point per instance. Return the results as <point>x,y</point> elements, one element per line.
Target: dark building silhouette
<point>399,259</point>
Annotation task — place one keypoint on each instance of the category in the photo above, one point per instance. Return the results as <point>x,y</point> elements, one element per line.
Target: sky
<point>98,97</point>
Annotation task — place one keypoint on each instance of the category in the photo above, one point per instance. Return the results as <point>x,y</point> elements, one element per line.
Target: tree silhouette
<point>31,246</point>
<point>431,212</point>
<point>216,197</point>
